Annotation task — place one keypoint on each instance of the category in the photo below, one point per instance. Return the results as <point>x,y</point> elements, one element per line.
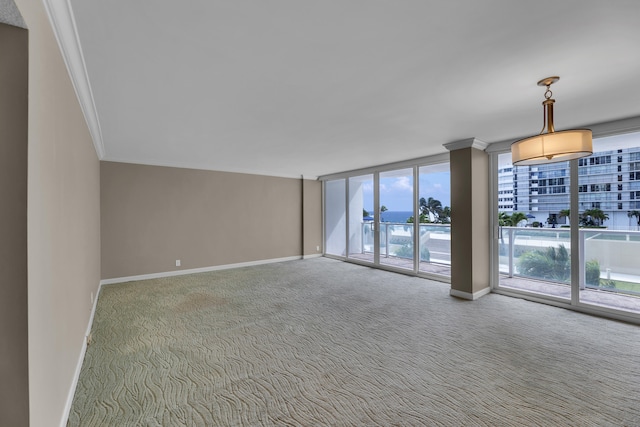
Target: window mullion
<point>577,272</point>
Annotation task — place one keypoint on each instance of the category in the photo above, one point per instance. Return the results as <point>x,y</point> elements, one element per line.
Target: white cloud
<point>403,183</point>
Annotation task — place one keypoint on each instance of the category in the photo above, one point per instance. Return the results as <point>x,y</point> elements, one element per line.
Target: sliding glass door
<point>397,218</point>
<point>361,218</point>
<point>396,245</point>
<point>434,216</point>
<point>534,236</point>
<point>609,217</point>
<point>335,217</point>
<point>536,245</point>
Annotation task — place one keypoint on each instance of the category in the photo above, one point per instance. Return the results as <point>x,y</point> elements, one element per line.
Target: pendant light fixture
<point>551,146</point>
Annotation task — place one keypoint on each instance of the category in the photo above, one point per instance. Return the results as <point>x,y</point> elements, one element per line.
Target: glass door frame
<point>577,265</point>
<point>414,165</point>
<point>414,194</point>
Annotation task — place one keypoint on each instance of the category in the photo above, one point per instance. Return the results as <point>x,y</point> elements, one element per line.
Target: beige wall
<point>153,216</point>
<point>312,217</point>
<point>63,222</point>
<point>14,379</point>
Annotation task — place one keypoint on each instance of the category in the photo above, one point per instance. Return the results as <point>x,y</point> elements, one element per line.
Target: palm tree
<point>435,207</point>
<point>631,214</point>
<point>431,207</point>
<point>423,205</point>
<point>422,219</point>
<point>596,214</point>
<point>600,216</point>
<point>446,215</point>
<point>383,208</point>
<point>517,217</point>
<point>564,213</point>
<point>504,220</point>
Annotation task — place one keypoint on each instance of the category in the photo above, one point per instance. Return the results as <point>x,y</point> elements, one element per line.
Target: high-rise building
<point>608,180</point>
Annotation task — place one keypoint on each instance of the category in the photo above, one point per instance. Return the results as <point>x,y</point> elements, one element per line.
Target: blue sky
<point>396,193</point>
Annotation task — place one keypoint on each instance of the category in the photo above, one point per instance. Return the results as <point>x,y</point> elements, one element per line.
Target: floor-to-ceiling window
<point>398,218</point>
<point>434,216</point>
<point>396,242</point>
<point>361,217</point>
<point>609,212</point>
<point>534,242</point>
<point>335,217</point>
<point>534,238</point>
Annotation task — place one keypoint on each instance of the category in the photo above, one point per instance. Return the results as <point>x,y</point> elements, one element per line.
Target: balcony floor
<point>425,267</point>
<point>601,298</point>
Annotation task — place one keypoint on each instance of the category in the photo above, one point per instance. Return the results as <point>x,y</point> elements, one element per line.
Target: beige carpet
<point>326,343</point>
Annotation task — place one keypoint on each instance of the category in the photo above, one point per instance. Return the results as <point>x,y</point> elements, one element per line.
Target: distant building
<point>608,180</point>
<point>505,189</point>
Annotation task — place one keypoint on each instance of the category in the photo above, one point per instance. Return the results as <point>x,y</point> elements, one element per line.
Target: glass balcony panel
<point>611,269</point>
<point>396,244</point>
<point>536,260</point>
<point>435,249</point>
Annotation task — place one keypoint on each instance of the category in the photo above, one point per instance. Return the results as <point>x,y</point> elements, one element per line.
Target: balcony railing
<point>396,246</point>
<point>530,259</point>
<point>539,260</point>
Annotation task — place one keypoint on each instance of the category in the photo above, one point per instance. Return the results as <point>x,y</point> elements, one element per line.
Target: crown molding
<point>466,143</point>
<point>64,27</point>
<point>10,15</point>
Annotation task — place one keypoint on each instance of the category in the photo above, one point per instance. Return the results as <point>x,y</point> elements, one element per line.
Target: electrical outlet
<point>317,248</point>
<point>178,263</point>
<point>91,298</point>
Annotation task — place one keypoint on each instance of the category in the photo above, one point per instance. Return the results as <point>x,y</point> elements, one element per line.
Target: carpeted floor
<point>326,343</point>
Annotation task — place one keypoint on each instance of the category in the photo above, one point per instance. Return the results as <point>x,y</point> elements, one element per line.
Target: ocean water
<point>395,216</point>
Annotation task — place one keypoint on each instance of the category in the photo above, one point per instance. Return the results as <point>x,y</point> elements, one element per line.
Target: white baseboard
<point>76,374</point>
<point>470,296</point>
<point>195,270</point>
<point>312,256</point>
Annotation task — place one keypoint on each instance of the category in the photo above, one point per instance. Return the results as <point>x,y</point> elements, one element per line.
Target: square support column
<point>470,223</point>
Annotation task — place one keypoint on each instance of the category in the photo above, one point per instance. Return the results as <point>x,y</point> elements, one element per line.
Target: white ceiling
<point>295,87</point>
